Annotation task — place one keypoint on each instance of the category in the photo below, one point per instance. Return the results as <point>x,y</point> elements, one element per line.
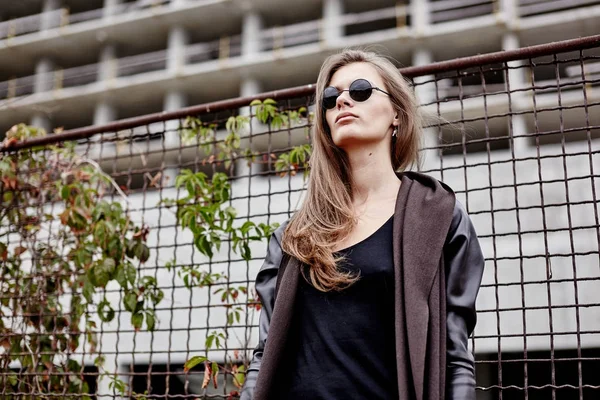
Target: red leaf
<point>8,142</point>
<point>232,394</point>
<point>207,375</point>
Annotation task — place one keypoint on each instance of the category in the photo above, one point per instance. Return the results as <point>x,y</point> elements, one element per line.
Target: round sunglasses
<point>359,90</point>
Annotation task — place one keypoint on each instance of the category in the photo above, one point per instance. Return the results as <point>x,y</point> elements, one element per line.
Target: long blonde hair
<point>326,215</point>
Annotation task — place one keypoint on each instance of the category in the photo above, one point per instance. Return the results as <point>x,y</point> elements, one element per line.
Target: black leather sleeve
<point>464,263</point>
<point>265,286</point>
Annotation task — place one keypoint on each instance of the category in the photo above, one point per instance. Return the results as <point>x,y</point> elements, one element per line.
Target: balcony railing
<point>440,11</point>
<point>453,10</point>
<point>529,8</point>
<point>271,39</point>
<point>62,17</point>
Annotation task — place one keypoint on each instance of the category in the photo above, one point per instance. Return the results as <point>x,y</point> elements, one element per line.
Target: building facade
<point>73,63</point>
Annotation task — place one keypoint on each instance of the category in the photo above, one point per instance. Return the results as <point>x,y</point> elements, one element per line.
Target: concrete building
<point>75,63</point>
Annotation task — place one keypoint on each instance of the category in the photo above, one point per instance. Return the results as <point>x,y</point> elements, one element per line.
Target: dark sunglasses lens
<point>360,90</point>
<point>330,95</point>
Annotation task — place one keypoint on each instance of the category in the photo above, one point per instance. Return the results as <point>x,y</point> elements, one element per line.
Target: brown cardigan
<point>424,210</point>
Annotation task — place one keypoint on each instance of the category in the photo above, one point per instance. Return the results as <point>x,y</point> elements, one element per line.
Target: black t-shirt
<point>344,346</point>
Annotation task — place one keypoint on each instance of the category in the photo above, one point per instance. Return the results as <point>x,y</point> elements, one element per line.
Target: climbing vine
<point>62,244</point>
<point>53,276</point>
<point>214,196</point>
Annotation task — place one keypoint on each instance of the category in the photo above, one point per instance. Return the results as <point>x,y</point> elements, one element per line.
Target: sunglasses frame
<point>349,90</point>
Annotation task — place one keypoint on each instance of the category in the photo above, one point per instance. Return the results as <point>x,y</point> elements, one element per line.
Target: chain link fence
<point>516,134</point>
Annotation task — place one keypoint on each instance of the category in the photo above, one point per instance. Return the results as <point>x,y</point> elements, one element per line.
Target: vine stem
<point>83,160</point>
<point>37,382</point>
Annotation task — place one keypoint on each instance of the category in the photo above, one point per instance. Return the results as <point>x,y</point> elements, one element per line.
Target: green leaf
<point>114,249</point>
<point>103,271</point>
<point>88,290</point>
<point>246,253</point>
<point>99,361</point>
<point>192,362</point>
<point>105,311</point>
<point>203,245</point>
<point>100,233</point>
<point>118,385</point>
<point>209,341</point>
<point>137,320</point>
<point>120,276</point>
<point>65,192</point>
<point>130,251</point>
<point>73,366</point>
<point>150,321</point>
<point>142,252</point>
<point>130,272</point>
<point>230,124</point>
<point>110,265</point>
<point>149,281</point>
<point>157,296</point>
<point>246,227</point>
<point>240,376</point>
<point>130,301</point>
<point>12,378</point>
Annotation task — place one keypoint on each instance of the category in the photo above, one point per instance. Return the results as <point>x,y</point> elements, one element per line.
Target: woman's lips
<point>345,118</point>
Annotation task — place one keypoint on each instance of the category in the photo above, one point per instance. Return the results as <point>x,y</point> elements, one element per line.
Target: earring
<point>395,132</point>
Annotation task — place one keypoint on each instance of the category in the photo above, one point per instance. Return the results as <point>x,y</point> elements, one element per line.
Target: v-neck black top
<point>344,344</point>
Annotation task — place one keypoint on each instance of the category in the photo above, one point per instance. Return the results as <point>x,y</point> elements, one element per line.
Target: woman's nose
<point>343,99</point>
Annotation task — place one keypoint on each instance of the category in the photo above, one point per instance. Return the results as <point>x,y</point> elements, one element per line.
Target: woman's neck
<point>373,176</point>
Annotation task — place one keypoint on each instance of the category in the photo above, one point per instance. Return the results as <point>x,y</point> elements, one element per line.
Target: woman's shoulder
<point>428,180</point>
<point>278,233</point>
<point>459,213</point>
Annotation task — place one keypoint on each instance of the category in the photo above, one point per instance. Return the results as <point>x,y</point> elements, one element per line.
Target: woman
<point>368,291</point>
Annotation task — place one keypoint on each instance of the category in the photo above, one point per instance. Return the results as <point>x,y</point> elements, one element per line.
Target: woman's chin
<point>352,138</point>
<point>347,133</point>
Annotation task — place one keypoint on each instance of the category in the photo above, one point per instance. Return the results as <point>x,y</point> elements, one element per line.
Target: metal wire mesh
<point>515,134</point>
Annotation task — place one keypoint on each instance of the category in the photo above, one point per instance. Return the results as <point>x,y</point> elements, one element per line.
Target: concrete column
<point>510,12</point>
<point>420,16</point>
<point>174,100</point>
<point>104,113</point>
<point>517,77</point>
<point>41,120</point>
<point>517,80</point>
<point>251,34</point>
<point>50,17</point>
<point>111,366</point>
<point>332,28</point>
<point>44,76</point>
<point>250,86</point>
<point>425,93</point>
<point>178,40</point>
<point>111,7</point>
<point>107,68</point>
